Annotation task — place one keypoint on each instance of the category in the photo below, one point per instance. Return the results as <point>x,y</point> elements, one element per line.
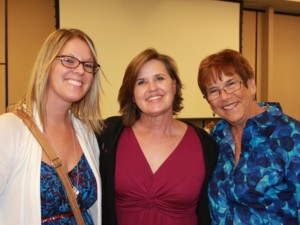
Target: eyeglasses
<point>72,63</point>
<point>230,87</point>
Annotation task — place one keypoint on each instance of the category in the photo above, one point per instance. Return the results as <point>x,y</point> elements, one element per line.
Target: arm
<point>9,134</point>
<point>210,154</point>
<point>108,141</point>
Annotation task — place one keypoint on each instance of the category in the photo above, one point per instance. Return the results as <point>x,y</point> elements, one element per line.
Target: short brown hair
<point>228,62</point>
<point>128,109</point>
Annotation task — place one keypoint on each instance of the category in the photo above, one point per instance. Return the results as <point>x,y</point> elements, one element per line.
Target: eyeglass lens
<point>72,62</point>
<point>229,88</point>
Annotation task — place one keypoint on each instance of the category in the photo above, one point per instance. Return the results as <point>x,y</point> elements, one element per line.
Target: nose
<point>79,69</point>
<point>152,85</point>
<point>223,94</point>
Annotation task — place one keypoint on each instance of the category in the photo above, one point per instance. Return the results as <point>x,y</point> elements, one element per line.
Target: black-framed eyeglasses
<point>229,87</point>
<point>72,63</point>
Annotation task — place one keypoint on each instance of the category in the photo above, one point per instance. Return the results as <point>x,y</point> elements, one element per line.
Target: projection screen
<point>187,30</point>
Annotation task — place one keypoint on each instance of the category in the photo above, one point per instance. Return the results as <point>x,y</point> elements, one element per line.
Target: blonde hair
<point>36,93</point>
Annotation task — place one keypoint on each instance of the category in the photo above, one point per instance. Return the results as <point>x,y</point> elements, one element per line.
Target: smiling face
<point>68,85</point>
<point>236,107</point>
<point>154,90</point>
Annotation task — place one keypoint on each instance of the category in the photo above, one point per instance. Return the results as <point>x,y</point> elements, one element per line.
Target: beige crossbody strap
<point>55,161</point>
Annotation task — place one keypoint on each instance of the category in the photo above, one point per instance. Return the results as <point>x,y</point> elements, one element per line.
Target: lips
<point>231,106</point>
<point>153,98</point>
<point>74,82</point>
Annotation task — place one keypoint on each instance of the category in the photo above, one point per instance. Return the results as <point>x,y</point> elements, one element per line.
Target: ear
<point>252,86</point>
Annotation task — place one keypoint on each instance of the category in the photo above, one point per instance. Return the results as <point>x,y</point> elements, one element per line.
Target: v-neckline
<point>167,158</point>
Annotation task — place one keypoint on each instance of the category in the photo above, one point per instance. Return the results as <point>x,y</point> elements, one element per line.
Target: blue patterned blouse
<point>264,188</point>
<point>54,200</point>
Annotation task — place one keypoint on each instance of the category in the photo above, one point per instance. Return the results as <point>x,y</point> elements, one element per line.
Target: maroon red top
<point>167,197</point>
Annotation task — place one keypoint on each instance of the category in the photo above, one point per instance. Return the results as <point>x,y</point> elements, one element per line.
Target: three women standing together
<point>155,169</point>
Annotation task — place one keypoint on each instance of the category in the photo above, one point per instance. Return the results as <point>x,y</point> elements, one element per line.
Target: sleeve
<point>108,140</point>
<point>293,163</point>
<point>210,155</point>
<point>8,144</point>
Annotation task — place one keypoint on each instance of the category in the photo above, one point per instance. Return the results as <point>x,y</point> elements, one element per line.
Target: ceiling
<point>282,6</point>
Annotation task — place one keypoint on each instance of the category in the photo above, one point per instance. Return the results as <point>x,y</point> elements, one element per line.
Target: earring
<point>213,114</point>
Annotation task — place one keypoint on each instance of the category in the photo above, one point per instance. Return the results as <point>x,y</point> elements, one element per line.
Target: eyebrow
<point>226,82</point>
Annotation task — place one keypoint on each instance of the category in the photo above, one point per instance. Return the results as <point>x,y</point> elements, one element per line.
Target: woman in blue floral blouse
<point>257,177</point>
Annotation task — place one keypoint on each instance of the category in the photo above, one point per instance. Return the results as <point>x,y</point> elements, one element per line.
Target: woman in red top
<point>154,167</point>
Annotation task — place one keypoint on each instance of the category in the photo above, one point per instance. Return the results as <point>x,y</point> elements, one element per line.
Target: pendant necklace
<point>74,187</point>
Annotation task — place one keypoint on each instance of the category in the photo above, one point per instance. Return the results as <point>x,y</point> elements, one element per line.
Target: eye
<point>69,60</point>
<point>89,65</point>
<point>140,82</point>
<point>159,78</point>
<point>213,92</point>
<point>231,84</point>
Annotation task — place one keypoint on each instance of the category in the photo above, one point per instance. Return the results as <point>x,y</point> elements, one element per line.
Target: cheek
<point>136,95</point>
<point>213,106</point>
<point>90,80</point>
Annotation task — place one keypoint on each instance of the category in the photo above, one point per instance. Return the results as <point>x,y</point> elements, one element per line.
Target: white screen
<point>187,30</point>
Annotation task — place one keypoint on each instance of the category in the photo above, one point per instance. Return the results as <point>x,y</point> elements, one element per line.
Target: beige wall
<point>29,23</point>
<point>286,79</point>
<point>274,52</point>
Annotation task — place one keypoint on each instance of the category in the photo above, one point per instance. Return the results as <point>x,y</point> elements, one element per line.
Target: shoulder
<point>81,128</point>
<point>291,122</point>
<point>10,122</point>
<point>111,127</point>
<point>200,131</point>
<point>288,129</point>
<point>206,140</point>
<point>15,137</point>
<point>113,121</point>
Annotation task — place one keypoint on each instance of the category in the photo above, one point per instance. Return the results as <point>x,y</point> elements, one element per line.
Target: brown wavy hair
<point>128,109</point>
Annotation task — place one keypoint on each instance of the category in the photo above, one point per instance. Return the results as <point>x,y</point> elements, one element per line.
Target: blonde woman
<point>63,100</point>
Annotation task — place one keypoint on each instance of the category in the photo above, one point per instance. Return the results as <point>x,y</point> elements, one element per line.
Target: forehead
<point>152,67</point>
<point>75,45</point>
<point>221,77</point>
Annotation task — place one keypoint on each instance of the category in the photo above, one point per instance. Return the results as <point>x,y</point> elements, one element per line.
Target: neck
<point>157,125</point>
<point>57,116</point>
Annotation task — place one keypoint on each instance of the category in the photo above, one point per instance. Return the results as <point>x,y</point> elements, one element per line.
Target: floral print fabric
<point>264,188</point>
<point>54,200</point>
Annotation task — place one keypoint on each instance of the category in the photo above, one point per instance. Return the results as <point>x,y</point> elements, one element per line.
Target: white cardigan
<point>20,167</point>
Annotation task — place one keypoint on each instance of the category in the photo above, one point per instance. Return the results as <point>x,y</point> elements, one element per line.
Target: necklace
<point>74,187</point>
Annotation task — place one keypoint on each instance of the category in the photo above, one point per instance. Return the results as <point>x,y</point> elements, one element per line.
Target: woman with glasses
<point>63,100</point>
<point>257,177</point>
<point>154,168</point>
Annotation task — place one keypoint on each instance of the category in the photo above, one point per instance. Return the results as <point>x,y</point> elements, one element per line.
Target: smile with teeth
<point>154,98</point>
<point>74,83</point>
<point>231,106</point>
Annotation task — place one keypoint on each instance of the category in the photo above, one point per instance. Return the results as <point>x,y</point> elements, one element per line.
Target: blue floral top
<point>264,188</point>
<point>54,200</point>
